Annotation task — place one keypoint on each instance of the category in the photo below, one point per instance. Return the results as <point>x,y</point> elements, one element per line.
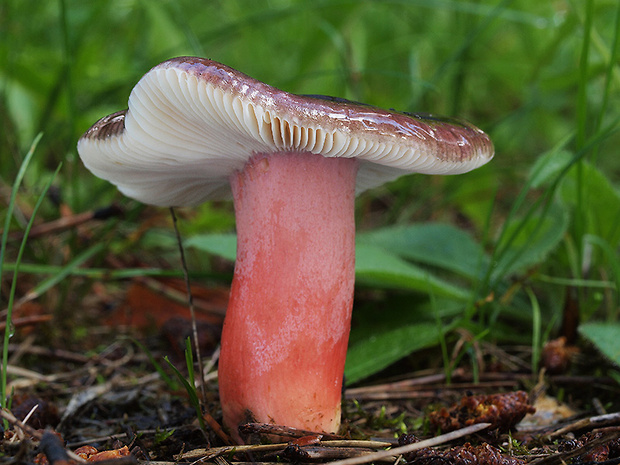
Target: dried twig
<point>221,461</point>
<point>27,321</point>
<point>33,432</point>
<point>429,386</point>
<point>155,462</point>
<point>398,385</point>
<point>443,391</point>
<point>591,422</point>
<point>208,454</point>
<point>563,457</point>
<point>324,453</point>
<point>169,291</point>
<point>20,424</point>
<point>283,431</point>
<point>68,222</point>
<point>415,446</point>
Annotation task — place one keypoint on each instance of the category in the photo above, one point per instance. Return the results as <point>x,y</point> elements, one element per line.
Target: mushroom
<point>198,130</point>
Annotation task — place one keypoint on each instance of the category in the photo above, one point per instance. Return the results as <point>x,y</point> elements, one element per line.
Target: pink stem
<point>287,325</point>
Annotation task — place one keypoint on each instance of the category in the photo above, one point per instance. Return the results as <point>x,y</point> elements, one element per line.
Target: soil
<point>107,390</point>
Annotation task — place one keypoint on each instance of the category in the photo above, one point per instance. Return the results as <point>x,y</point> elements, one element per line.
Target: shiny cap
<point>192,122</point>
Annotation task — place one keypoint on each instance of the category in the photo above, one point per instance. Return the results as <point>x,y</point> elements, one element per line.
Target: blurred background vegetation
<point>521,250</point>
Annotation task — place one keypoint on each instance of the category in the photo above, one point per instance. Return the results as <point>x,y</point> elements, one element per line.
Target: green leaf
<point>190,388</point>
<point>528,242</point>
<point>605,337</point>
<point>378,352</point>
<point>436,244</point>
<point>548,166</point>
<point>223,245</point>
<point>61,273</point>
<point>601,198</point>
<point>374,266</point>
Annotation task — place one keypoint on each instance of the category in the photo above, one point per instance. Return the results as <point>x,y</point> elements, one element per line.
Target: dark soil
<point>100,390</point>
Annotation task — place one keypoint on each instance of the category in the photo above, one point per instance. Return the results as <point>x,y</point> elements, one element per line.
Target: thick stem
<point>287,325</point>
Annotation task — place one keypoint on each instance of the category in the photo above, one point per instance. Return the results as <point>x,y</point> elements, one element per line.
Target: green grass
<point>542,78</point>
<point>8,330</point>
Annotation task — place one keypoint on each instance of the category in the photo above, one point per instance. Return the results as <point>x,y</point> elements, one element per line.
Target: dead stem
<point>596,421</point>
<point>203,455</point>
<point>208,454</point>
<point>68,222</point>
<point>563,457</point>
<point>213,424</point>
<point>442,439</point>
<point>8,416</point>
<point>433,386</point>
<point>282,431</point>
<point>202,306</point>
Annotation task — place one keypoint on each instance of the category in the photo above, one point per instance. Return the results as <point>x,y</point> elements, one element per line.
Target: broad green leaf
<point>378,352</point>
<point>399,309</point>
<point>436,244</point>
<point>222,245</point>
<point>605,337</point>
<point>611,256</point>
<point>600,202</point>
<point>548,166</point>
<point>528,242</point>
<point>374,266</point>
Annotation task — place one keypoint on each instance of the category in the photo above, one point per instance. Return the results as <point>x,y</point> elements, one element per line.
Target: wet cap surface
<point>192,122</point>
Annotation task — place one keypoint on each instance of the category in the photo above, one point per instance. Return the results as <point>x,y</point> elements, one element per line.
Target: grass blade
<point>11,206</point>
<point>62,273</point>
<point>8,328</point>
<point>188,384</point>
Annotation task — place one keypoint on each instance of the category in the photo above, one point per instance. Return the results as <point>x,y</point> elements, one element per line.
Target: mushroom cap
<point>192,122</point>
